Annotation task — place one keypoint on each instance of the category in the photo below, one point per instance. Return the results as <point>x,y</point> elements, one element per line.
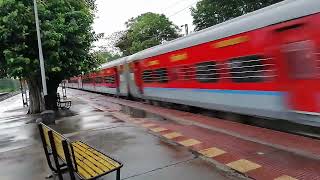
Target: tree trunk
<point>36,101</point>
<point>51,99</point>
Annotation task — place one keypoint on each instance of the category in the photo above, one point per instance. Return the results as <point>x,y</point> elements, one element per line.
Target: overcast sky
<point>112,14</point>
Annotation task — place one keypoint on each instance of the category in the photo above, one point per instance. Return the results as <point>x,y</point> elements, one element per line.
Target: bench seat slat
<point>46,136</point>
<point>83,173</point>
<point>95,162</point>
<point>91,155</point>
<point>100,155</point>
<point>93,166</point>
<point>86,168</point>
<point>59,147</point>
<point>57,141</point>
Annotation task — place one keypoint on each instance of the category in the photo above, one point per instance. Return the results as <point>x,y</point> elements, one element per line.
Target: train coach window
<point>207,72</point>
<point>86,80</point>
<point>112,79</point>
<point>99,80</point>
<point>147,76</point>
<point>109,79</point>
<point>161,75</point>
<point>186,72</point>
<point>248,69</point>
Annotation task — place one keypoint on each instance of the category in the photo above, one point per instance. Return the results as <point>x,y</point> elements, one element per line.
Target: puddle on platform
<point>137,113</point>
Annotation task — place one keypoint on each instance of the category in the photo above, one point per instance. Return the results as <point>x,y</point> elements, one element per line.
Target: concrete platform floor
<point>258,153</point>
<point>145,156</point>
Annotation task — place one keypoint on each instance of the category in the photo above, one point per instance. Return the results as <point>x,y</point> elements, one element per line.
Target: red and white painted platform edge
<point>256,152</point>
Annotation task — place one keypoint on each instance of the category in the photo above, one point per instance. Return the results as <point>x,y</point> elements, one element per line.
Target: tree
<point>211,12</point>
<point>107,56</point>
<point>66,34</point>
<point>145,31</point>
<point>110,42</point>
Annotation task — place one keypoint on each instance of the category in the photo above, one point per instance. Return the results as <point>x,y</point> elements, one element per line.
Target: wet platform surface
<point>258,153</point>
<point>144,155</point>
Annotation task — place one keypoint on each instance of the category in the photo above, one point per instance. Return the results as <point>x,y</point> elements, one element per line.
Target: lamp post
<point>43,73</point>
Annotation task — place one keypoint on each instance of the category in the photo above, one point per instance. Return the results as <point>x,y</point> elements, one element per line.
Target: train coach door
<point>135,79</point>
<point>300,61</point>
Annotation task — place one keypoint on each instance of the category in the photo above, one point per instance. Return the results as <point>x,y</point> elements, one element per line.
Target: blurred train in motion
<point>265,63</point>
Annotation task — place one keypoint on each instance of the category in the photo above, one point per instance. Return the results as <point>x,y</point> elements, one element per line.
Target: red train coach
<point>258,64</point>
<point>107,81</point>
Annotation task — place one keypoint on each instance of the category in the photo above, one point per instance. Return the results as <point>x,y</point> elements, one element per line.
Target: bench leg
<point>45,148</point>
<point>118,174</point>
<point>49,176</point>
<point>68,159</point>
<point>55,155</point>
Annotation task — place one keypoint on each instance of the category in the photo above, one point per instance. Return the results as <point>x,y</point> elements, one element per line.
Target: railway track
<point>4,96</point>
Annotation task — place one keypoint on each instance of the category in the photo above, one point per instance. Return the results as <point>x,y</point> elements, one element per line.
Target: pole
<point>22,93</point>
<point>43,73</point>
<point>186,28</point>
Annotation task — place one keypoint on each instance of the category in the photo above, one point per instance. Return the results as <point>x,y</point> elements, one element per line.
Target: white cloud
<point>112,14</point>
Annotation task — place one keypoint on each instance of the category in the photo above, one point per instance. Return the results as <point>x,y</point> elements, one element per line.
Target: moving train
<point>265,63</point>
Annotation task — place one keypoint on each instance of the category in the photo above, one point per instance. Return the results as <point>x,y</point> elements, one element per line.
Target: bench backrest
<point>58,97</point>
<point>57,139</point>
<point>57,143</point>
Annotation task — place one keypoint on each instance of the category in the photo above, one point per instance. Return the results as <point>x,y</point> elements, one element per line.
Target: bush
<point>9,85</point>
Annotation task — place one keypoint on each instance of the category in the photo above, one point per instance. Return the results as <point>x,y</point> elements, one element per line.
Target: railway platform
<point>144,155</point>
<point>254,152</point>
<point>156,143</point>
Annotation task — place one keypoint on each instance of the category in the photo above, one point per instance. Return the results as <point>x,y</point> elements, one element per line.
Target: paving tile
<point>243,165</point>
<point>160,129</point>
<point>148,125</point>
<point>172,135</point>
<point>285,177</point>
<point>212,152</point>
<point>189,142</point>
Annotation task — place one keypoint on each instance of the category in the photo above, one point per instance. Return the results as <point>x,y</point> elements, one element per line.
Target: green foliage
<point>211,12</point>
<point>66,34</point>
<point>145,31</point>
<point>9,85</point>
<point>111,42</point>
<point>107,56</point>
<point>5,90</point>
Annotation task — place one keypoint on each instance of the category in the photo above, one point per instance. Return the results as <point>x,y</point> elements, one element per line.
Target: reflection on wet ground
<point>138,113</point>
<point>144,155</point>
